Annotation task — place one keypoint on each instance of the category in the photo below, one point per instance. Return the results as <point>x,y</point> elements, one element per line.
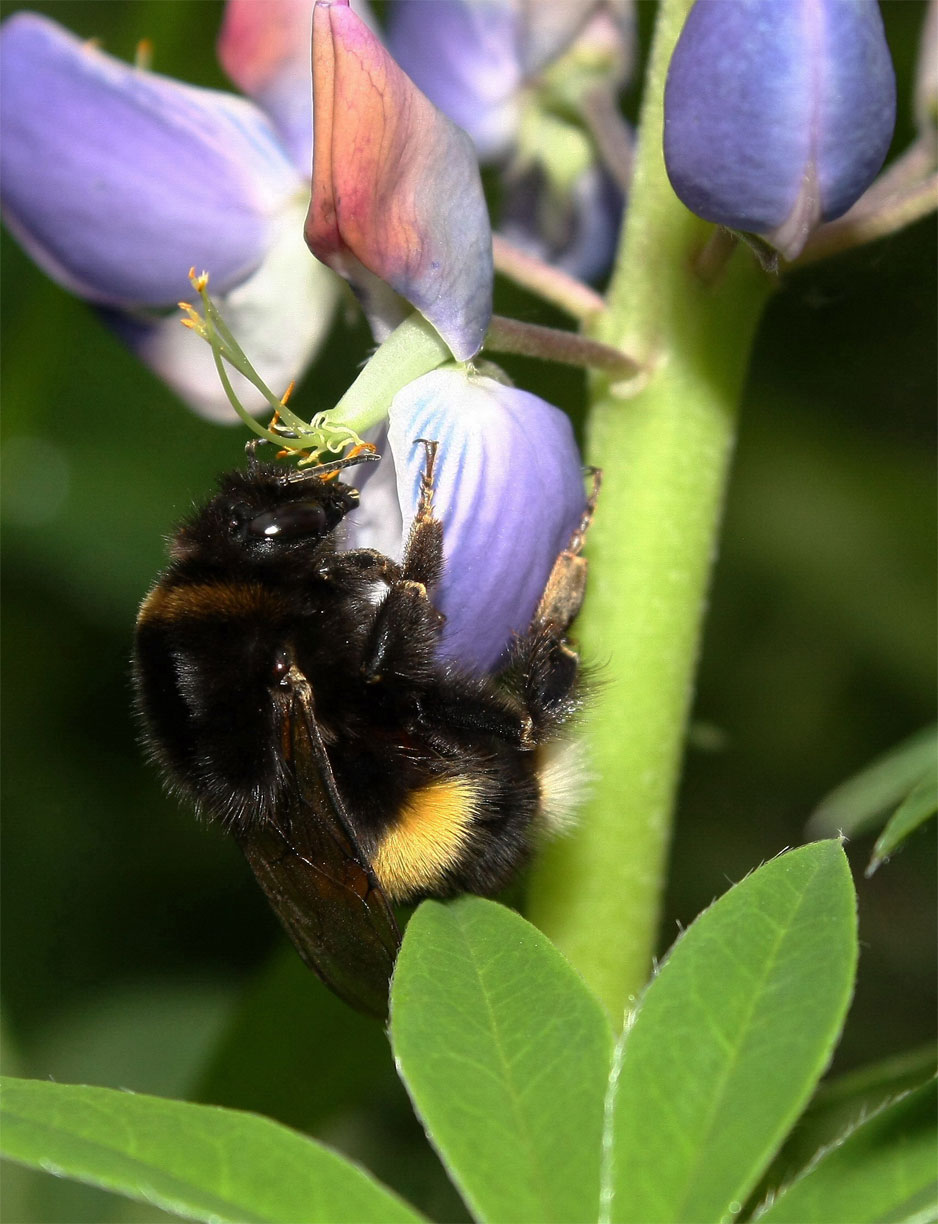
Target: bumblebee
<point>294,693</point>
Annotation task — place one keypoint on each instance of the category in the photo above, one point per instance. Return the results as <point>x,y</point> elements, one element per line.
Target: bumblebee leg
<point>423,556</point>
<point>542,674</point>
<point>563,594</point>
<point>365,563</point>
<point>544,667</point>
<point>463,707</point>
<point>404,634</point>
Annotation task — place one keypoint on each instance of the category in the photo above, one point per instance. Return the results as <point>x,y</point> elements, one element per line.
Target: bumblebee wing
<point>316,877</point>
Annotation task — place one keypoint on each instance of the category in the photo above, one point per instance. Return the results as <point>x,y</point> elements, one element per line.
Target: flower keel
<point>509,493</point>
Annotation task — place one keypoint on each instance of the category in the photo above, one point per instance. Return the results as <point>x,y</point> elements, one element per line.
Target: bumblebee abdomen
<point>464,830</point>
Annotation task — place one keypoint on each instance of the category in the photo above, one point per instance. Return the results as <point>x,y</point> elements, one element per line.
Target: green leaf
<point>885,1170</point>
<point>730,1039</point>
<point>506,1056</point>
<point>840,1104</point>
<point>856,804</point>
<point>201,1162</point>
<point>918,806</point>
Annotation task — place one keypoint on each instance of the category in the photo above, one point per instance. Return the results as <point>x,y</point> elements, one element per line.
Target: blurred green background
<point>137,950</point>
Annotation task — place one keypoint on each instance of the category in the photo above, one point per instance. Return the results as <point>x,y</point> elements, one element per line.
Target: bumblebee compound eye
<point>239,517</point>
<point>293,521</point>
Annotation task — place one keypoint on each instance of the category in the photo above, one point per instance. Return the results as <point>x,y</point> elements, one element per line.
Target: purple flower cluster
<point>117,181</point>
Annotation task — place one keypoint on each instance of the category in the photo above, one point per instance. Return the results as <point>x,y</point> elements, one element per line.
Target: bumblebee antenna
<point>364,454</point>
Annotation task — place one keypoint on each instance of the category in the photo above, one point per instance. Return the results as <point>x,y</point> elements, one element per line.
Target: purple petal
<point>472,58</point>
<point>508,490</point>
<point>858,104</point>
<point>465,58</point>
<point>777,111</point>
<point>280,316</point>
<point>117,181</point>
<point>376,522</point>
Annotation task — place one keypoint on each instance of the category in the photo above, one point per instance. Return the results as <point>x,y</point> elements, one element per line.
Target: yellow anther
<point>193,318</point>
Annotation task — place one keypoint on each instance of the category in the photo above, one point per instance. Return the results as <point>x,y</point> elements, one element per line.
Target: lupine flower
<point>508,490</point>
<point>397,200</point>
<point>397,203</point>
<point>484,62</point>
<point>117,180</point>
<point>778,116</point>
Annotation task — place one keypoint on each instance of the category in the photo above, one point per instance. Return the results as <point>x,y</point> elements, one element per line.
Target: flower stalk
<point>866,222</point>
<point>551,344</point>
<point>665,452</point>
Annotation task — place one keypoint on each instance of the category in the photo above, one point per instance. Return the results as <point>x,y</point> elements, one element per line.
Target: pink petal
<point>265,49</point>
<point>396,187</point>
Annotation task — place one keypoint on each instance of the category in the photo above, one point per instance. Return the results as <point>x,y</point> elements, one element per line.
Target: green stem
<point>551,344</point>
<point>665,453</point>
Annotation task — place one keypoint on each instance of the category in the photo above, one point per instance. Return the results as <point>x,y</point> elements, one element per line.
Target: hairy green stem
<point>550,344</point>
<point>665,452</point>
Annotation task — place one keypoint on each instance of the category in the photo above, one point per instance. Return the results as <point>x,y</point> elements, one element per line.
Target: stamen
<point>291,434</point>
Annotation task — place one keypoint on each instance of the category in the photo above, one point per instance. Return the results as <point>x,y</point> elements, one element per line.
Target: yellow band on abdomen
<point>430,834</point>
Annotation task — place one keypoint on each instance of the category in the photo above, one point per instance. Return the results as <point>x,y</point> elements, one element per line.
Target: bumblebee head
<point>266,513</point>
